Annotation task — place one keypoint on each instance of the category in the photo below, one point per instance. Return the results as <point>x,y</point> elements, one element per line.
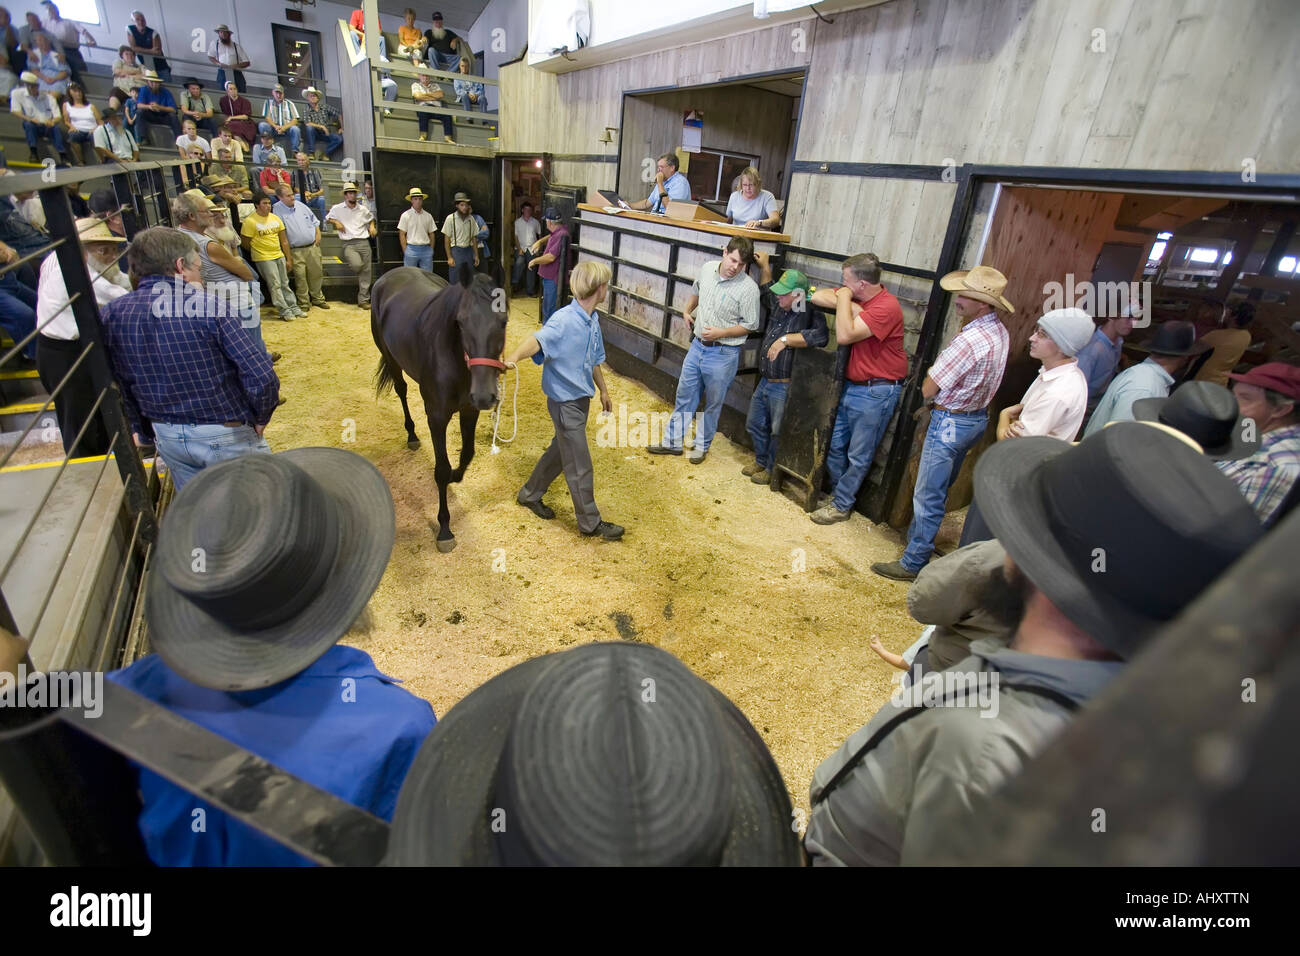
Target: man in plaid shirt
<point>192,376</point>
<point>960,384</point>
<point>1269,395</point>
<point>317,119</point>
<point>280,118</point>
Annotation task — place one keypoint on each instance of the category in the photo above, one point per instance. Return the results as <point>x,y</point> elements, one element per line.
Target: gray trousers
<point>356,253</point>
<point>567,452</point>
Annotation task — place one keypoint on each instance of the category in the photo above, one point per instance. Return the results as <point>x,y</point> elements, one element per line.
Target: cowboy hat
<point>193,81</point>
<point>461,197</point>
<point>1174,338</point>
<point>1205,412</point>
<point>1162,517</point>
<point>203,197</point>
<point>606,754</point>
<point>311,89</point>
<point>222,27</point>
<point>151,76</point>
<point>264,562</point>
<point>277,88</point>
<point>983,283</point>
<point>94,229</point>
<point>349,187</point>
<point>27,76</point>
<point>415,191</point>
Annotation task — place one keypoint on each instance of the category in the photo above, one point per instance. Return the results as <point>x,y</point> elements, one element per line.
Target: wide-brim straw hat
<point>983,283</point>
<point>264,562</point>
<point>27,76</point>
<point>416,192</point>
<point>603,755</point>
<point>94,229</point>
<point>151,75</point>
<point>462,197</point>
<point>350,187</point>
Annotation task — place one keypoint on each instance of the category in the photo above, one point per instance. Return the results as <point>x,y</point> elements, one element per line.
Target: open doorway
<point>748,121</point>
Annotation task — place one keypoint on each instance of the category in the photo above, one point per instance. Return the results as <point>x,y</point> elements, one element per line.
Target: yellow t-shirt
<point>263,233</point>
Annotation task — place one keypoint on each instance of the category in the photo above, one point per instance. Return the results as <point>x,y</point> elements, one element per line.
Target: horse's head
<point>481,316</point>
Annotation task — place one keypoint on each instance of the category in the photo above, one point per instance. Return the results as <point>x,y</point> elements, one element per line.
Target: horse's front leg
<point>442,475</point>
<point>468,423</point>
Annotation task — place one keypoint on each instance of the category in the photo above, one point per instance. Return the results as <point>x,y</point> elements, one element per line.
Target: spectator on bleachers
<point>82,118</point>
<point>40,115</point>
<point>28,32</point>
<point>427,92</point>
<point>226,54</point>
<point>309,186</point>
<point>302,229</point>
<point>197,105</point>
<point>1268,395</point>
<point>410,39</point>
<point>235,172</point>
<point>9,40</point>
<point>355,224</point>
<point>445,48</point>
<point>280,117</point>
<point>68,36</point>
<point>128,75</point>
<point>273,175</point>
<point>470,94</point>
<point>201,385</point>
<point>8,79</point>
<point>220,228</point>
<point>189,140</point>
<point>29,206</point>
<point>886,795</point>
<point>48,64</point>
<point>17,298</point>
<point>317,120</point>
<point>266,241</point>
<point>263,152</point>
<point>58,345</point>
<point>1229,342</point>
<point>357,26</point>
<point>238,110</point>
<point>145,41</point>
<point>156,106</point>
<point>226,139</point>
<point>113,141</point>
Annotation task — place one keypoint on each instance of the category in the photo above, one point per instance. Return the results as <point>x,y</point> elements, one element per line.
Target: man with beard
<point>885,797</point>
<point>445,48</point>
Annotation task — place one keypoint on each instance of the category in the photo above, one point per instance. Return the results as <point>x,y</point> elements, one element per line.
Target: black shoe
<point>608,531</point>
<point>319,305</point>
<point>662,450</point>
<point>537,508</point>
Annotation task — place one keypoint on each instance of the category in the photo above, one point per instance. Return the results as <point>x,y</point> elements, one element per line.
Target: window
<point>82,11</point>
<point>1201,254</point>
<point>1157,250</point>
<point>712,173</point>
<point>1286,266</point>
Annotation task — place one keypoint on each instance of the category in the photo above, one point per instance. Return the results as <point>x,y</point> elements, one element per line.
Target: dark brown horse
<point>449,338</point>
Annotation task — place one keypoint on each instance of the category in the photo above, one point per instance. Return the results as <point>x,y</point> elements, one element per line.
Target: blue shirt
<point>1098,361</point>
<point>355,740</point>
<point>182,357</point>
<point>1144,380</point>
<point>675,186</point>
<point>163,98</point>
<point>299,223</point>
<point>573,346</point>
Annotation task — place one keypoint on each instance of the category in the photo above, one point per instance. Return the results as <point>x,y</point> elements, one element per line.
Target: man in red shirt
<point>869,319</point>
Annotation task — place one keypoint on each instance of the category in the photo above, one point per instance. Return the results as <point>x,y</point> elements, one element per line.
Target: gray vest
<point>240,292</point>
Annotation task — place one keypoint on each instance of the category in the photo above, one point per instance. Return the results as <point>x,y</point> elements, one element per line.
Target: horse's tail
<point>384,378</point>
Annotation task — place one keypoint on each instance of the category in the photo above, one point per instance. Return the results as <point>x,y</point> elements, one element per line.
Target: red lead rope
<point>494,363</point>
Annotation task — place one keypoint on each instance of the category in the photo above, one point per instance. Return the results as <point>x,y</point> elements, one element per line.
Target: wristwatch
<point>783,341</point>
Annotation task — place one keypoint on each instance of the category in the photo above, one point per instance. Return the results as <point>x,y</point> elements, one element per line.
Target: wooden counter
<point>719,228</point>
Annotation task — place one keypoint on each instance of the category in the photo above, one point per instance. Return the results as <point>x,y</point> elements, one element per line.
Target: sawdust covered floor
<point>734,580</point>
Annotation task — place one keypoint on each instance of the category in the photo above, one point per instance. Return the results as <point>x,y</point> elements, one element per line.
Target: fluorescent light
<point>1202,254</point>
<point>1157,250</point>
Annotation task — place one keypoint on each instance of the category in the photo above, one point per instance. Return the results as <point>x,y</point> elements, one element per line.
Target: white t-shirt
<point>527,231</point>
<point>418,227</point>
<point>40,107</point>
<point>1055,403</point>
<point>741,210</point>
<point>355,220</point>
<point>185,142</point>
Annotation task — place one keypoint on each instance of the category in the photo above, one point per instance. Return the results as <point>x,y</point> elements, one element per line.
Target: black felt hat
<point>1205,412</point>
<point>1174,338</point>
<point>1121,531</point>
<point>604,755</point>
<point>264,562</point>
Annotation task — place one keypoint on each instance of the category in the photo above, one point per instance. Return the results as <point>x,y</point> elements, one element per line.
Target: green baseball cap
<point>790,280</point>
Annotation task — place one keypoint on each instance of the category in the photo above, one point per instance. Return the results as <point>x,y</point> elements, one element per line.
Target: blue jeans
<point>459,255</point>
<point>419,256</point>
<point>422,120</point>
<point>448,62</point>
<point>188,449</point>
<point>707,370</point>
<point>18,312</point>
<point>948,439</point>
<point>860,423</point>
<point>35,131</point>
<point>524,275</point>
<point>766,409</point>
<point>294,134</point>
<point>550,290</point>
<point>329,143</point>
<point>317,206</point>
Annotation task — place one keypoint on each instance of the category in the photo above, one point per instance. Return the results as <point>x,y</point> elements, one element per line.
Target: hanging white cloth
<point>561,25</point>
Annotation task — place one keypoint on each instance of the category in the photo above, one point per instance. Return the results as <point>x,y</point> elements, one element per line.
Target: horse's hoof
<point>445,546</point>
<point>413,444</point>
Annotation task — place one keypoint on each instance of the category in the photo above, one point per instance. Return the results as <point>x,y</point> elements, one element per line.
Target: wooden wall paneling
<point>896,219</point>
<point>932,215</point>
<point>881,65</point>
<point>926,20</point>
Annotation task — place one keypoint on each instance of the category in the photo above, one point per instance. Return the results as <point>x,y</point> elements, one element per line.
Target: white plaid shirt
<point>969,371</point>
<point>725,302</point>
<point>1266,476</point>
